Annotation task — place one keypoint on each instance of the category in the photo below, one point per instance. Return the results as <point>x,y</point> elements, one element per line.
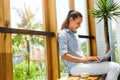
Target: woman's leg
<point>111,68</point>
<point>113,72</point>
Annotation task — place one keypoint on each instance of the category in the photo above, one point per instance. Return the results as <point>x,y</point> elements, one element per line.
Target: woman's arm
<point>71,58</point>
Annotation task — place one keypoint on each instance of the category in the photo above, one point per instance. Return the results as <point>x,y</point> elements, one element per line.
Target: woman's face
<point>75,24</point>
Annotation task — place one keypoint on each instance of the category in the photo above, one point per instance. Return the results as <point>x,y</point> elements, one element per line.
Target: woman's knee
<point>115,66</point>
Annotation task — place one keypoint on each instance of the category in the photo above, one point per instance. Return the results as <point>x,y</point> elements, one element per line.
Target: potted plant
<point>106,10</point>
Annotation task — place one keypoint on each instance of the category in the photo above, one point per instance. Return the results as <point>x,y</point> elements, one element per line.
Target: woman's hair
<point>72,13</point>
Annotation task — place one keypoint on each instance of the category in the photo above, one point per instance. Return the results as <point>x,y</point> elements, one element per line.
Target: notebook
<point>105,57</point>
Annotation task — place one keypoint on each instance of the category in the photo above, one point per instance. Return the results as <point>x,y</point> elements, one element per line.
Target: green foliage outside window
<point>36,72</point>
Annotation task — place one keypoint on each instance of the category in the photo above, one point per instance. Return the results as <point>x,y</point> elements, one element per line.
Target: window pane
<point>80,5</point>
<point>114,40</point>
<point>25,12</point>
<point>29,61</point>
<point>61,12</point>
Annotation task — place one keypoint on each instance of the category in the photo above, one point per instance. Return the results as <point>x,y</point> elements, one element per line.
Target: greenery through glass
<point>28,61</point>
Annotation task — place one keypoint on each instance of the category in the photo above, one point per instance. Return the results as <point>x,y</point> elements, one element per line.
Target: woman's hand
<point>92,58</point>
<point>77,59</point>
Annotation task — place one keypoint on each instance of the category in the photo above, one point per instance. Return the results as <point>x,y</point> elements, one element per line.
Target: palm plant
<point>107,10</point>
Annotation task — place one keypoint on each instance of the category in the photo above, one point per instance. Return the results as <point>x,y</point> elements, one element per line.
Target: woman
<point>70,51</point>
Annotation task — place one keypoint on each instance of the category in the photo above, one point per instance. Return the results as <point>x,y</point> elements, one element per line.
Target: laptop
<point>105,57</point>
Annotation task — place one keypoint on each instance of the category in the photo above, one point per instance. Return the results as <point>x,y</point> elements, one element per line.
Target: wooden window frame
<point>91,28</point>
<point>6,67</point>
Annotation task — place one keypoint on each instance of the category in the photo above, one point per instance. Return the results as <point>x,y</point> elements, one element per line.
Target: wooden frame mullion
<point>91,28</point>
<point>6,67</point>
<point>71,4</point>
<point>50,22</point>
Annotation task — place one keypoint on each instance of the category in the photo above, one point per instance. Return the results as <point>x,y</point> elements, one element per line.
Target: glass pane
<point>29,61</point>
<point>114,42</point>
<point>27,13</point>
<point>80,5</point>
<point>61,14</point>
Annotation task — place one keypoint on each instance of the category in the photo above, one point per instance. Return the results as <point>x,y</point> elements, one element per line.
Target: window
<point>81,6</point>
<point>29,61</point>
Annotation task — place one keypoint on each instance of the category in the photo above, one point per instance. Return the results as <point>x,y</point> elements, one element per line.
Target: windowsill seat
<point>96,77</point>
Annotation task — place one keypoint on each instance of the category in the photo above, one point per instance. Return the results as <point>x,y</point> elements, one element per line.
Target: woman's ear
<point>71,19</point>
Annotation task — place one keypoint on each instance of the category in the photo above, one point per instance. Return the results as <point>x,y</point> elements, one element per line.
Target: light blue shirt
<point>69,43</point>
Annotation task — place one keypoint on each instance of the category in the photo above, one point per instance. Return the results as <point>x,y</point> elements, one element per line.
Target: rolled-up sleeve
<point>62,40</point>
